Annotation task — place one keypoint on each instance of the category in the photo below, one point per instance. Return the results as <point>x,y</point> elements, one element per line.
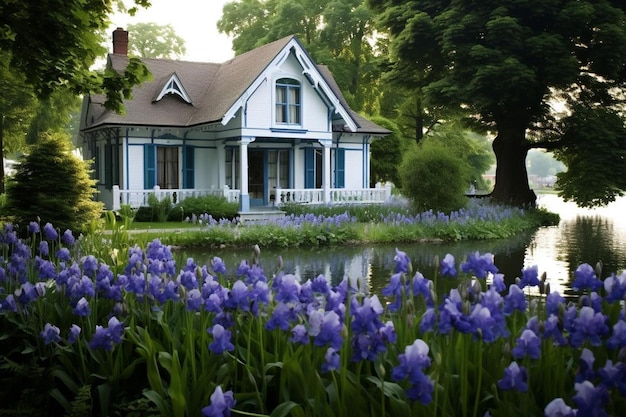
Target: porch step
<point>260,215</point>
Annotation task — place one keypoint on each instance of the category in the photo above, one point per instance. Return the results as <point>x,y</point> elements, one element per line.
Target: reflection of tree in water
<point>590,239</point>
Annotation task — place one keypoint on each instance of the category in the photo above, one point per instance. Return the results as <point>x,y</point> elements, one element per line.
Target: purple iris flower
<point>282,317</point>
<point>194,300</point>
<point>219,267</point>
<point>618,338</point>
<point>498,283</point>
<point>330,331</point>
<point>590,399</point>
<point>615,287</point>
<point>403,263</point>
<point>515,377</point>
<point>552,329</point>
<point>428,321</point>
<point>50,232</point>
<point>221,340</point>
<point>515,300</point>
<point>528,344</point>
<point>365,318</point>
<point>287,288</point>
<point>188,279</point>
<point>63,254</point>
<point>553,301</point>
<point>73,334</point>
<point>558,408</point>
<point>8,304</point>
<point>82,308</point>
<point>221,403</point>
<point>588,326</point>
<point>422,286</point>
<point>530,277</point>
<point>448,266</point>
<point>50,334</point>
<point>414,359</point>
<point>479,265</point>
<point>299,335</point>
<point>585,368</point>
<point>90,265</point>
<point>107,337</point>
<point>46,268</point>
<point>394,288</point>
<point>585,278</point>
<point>613,376</point>
<point>238,297</point>
<point>33,228</point>
<point>331,360</point>
<point>320,285</point>
<point>43,248</point>
<point>68,238</point>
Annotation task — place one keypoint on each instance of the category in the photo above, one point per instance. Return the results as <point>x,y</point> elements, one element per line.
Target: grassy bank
<point>335,225</point>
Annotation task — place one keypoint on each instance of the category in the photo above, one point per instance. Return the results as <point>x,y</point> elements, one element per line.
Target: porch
<point>279,197</point>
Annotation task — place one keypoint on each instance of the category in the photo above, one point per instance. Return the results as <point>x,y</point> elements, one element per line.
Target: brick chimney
<point>120,41</point>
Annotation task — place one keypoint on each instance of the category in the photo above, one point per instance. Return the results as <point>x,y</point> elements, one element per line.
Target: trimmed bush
<point>53,185</point>
<point>216,206</point>
<point>434,180</point>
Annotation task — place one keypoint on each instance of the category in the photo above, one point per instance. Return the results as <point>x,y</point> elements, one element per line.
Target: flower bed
<point>144,336</point>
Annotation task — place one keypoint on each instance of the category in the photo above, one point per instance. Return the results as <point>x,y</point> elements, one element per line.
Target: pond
<point>583,235</point>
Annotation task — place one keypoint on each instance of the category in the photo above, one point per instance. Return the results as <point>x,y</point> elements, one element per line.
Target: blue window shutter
<point>188,178</point>
<point>108,166</point>
<point>149,166</point>
<point>309,168</point>
<point>340,168</point>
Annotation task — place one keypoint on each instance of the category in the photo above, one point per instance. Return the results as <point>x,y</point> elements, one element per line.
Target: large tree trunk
<point>510,147</point>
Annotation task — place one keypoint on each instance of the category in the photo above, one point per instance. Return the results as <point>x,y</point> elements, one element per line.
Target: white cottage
<point>264,128</point>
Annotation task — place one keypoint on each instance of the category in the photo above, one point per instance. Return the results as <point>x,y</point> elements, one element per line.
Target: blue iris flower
<point>528,344</point>
<point>221,403</point>
<point>618,338</point>
<point>221,340</point>
<point>448,266</point>
<point>479,265</point>
<point>585,278</point>
<point>50,334</point>
<point>530,277</point>
<point>331,360</point>
<point>515,377</point>
<point>412,362</point>
<point>558,408</point>
<point>590,399</point>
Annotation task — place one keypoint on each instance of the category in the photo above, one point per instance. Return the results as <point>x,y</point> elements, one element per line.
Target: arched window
<point>288,101</point>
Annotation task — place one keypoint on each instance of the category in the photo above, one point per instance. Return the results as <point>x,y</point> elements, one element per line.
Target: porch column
<point>221,166</point>
<point>244,197</point>
<point>326,177</point>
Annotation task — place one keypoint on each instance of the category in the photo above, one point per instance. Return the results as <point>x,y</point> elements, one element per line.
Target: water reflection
<point>582,236</point>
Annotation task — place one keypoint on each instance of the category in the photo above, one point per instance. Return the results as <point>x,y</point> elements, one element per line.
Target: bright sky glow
<point>193,20</point>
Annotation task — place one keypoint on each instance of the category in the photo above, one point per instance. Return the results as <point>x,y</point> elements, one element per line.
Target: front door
<point>256,177</point>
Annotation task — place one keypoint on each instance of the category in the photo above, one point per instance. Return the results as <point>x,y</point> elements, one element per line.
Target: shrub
<point>53,185</point>
<point>434,180</point>
<point>216,206</point>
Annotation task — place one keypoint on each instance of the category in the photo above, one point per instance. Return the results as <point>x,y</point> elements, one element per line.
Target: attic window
<point>288,101</point>
<point>175,87</point>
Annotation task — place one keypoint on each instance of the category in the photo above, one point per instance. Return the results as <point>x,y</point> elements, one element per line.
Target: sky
<point>193,20</point>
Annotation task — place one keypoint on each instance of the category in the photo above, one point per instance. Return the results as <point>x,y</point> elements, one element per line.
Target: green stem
<point>480,376</point>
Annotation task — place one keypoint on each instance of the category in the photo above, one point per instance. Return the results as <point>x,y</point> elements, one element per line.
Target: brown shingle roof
<point>213,89</point>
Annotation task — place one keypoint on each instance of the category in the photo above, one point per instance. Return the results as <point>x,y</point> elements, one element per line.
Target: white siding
<point>354,168</point>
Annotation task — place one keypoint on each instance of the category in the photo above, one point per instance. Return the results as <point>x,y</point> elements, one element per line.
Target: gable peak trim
<point>174,86</point>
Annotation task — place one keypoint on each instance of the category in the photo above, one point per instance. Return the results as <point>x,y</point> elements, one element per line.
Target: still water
<point>583,235</point>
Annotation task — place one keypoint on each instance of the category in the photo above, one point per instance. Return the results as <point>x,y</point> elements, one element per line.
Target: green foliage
<point>53,185</point>
<point>433,179</point>
<point>64,60</point>
<point>386,154</point>
<point>594,153</point>
<point>482,58</point>
<point>150,40</point>
<point>216,206</point>
<point>472,150</point>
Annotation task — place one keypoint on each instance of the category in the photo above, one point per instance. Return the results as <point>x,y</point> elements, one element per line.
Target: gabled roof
<point>212,90</point>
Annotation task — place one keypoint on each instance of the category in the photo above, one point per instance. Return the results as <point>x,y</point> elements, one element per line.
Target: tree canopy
<point>151,40</point>
<point>505,63</point>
